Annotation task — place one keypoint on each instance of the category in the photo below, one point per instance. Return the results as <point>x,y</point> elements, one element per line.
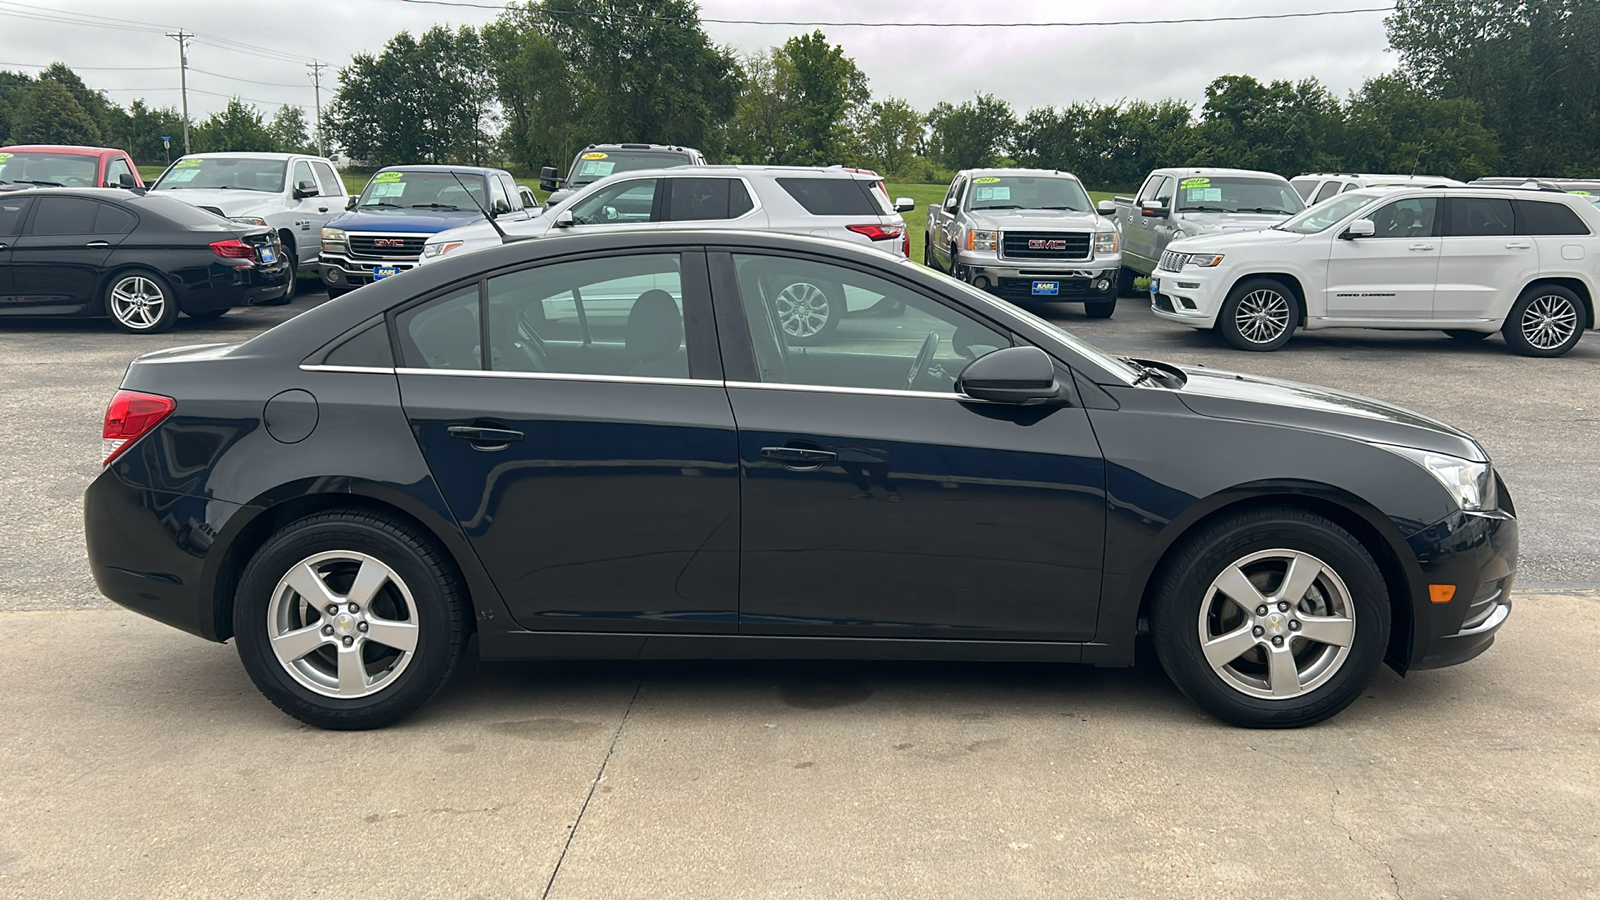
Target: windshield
<point>1227,194</point>
<point>424,190</point>
<point>49,169</point>
<point>1327,213</point>
<point>594,165</point>
<point>1027,192</point>
<point>229,173</point>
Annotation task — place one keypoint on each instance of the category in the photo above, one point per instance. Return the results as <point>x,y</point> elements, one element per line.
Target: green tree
<point>976,133</point>
<point>890,131</point>
<point>104,113</point>
<point>13,86</point>
<point>824,88</point>
<point>419,100</point>
<point>758,131</point>
<point>1284,127</point>
<point>48,114</point>
<point>236,127</point>
<point>1393,126</point>
<point>143,129</point>
<point>288,129</point>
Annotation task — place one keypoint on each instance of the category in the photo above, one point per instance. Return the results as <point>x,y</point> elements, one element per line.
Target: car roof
<point>1207,170</point>
<point>467,170</point>
<point>712,171</point>
<point>241,155</point>
<point>981,173</point>
<point>58,148</point>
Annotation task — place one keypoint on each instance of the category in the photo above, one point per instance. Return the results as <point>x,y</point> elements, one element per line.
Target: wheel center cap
<point>1275,623</point>
<point>344,624</point>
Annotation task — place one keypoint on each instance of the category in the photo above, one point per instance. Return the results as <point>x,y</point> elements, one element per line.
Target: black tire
<point>336,292</point>
<point>1546,321</point>
<point>1467,337</point>
<point>808,312</point>
<point>294,274</point>
<point>209,314</point>
<point>1185,610</point>
<point>957,270</point>
<point>139,301</point>
<point>1260,315</point>
<point>437,608</point>
<point>1100,309</point>
<point>927,253</point>
<point>1125,277</point>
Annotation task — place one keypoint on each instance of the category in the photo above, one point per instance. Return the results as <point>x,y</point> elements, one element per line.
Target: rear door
<point>711,203</point>
<point>1390,275</point>
<point>1483,262</point>
<point>588,450</point>
<point>13,210</point>
<point>61,255</point>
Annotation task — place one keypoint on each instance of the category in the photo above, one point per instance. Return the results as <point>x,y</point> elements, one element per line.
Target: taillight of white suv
<point>877,233</point>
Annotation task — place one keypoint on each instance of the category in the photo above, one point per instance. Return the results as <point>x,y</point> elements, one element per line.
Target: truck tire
<point>1125,278</point>
<point>957,270</point>
<point>1100,309</point>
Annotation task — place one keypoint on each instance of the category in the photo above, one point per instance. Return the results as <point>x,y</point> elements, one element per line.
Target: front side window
<point>923,348</point>
<point>1326,215</point>
<point>328,179</point>
<point>514,197</point>
<point>302,176</point>
<point>1480,217</point>
<point>115,170</point>
<point>623,203</point>
<point>497,195</point>
<point>1230,194</point>
<point>1413,217</point>
<point>233,173</point>
<point>1151,185</point>
<point>1328,190</point>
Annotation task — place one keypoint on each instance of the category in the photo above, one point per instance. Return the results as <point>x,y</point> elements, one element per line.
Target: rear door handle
<point>1518,245</point>
<point>485,438</point>
<point>1422,246</point>
<point>799,457</point>
<point>98,244</point>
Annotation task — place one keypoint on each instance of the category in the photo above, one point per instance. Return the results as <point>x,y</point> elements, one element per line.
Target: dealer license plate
<point>1155,286</point>
<point>1046,288</point>
<point>382,272</point>
<point>267,256</point>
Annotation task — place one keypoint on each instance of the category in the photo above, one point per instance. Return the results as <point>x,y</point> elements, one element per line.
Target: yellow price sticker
<point>1583,193</point>
<point>987,179</point>
<point>387,176</point>
<point>4,157</point>
<point>1195,183</point>
<point>595,155</point>
<point>186,164</point>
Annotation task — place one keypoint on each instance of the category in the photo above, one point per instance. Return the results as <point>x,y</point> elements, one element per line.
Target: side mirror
<point>1360,228</point>
<point>1153,209</point>
<point>305,189</point>
<point>501,207</point>
<point>1106,208</point>
<point>904,204</point>
<point>547,178</point>
<point>952,203</point>
<point>1020,375</point>
<point>564,219</point>
<point>351,203</point>
<point>126,180</point>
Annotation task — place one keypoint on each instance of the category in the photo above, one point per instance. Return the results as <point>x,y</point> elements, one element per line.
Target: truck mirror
<point>1106,208</point>
<point>305,189</point>
<point>1154,209</point>
<point>904,204</point>
<point>547,178</point>
<point>351,203</point>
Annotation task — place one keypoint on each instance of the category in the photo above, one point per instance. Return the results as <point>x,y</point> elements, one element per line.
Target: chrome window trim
<point>833,389</point>
<point>368,370</point>
<point>561,376</point>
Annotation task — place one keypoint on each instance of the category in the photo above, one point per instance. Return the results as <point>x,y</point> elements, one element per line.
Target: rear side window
<point>367,348</point>
<point>739,201</point>
<point>1304,187</point>
<point>703,199</point>
<point>65,215</point>
<point>1480,216</point>
<point>443,333</point>
<point>113,220</point>
<point>830,196</point>
<point>1541,217</point>
<point>331,185</point>
<point>1328,190</point>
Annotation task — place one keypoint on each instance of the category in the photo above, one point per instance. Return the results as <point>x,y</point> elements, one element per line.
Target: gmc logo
<point>388,242</point>
<point>1047,245</point>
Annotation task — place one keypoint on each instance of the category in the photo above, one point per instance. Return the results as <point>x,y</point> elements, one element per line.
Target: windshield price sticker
<point>181,175</point>
<point>596,169</point>
<point>187,163</point>
<point>1195,183</point>
<point>595,155</point>
<point>987,179</point>
<point>388,189</point>
<point>999,193</point>
<point>387,176</point>
<point>1203,195</point>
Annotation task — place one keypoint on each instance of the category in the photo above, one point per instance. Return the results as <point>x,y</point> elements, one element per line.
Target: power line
<point>158,90</point>
<point>89,68</point>
<point>247,80</point>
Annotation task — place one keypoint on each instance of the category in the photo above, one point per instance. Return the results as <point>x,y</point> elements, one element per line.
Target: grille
<point>366,245</point>
<point>1046,244</point>
<point>1172,261</point>
<point>1022,289</point>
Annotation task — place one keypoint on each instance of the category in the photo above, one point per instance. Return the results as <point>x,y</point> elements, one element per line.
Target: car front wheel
<point>1547,320</point>
<point>1271,618</point>
<point>1260,314</point>
<point>347,620</point>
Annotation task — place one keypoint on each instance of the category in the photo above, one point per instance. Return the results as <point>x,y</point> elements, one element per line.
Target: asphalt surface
<point>139,761</point>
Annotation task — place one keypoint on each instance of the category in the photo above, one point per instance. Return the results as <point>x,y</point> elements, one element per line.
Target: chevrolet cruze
<point>608,446</point>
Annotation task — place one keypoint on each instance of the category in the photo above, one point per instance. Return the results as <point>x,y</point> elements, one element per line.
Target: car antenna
<point>504,238</point>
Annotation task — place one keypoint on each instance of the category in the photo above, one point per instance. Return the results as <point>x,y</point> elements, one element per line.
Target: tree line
<point>1483,87</point>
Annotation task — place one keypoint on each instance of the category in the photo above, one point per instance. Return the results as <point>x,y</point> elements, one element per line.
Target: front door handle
<point>1518,245</point>
<point>485,438</point>
<point>1422,246</point>
<point>98,244</point>
<point>799,457</point>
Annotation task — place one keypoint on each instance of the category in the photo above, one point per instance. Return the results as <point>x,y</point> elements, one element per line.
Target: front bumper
<point>345,271</point>
<point>1077,280</point>
<point>1476,554</point>
<point>1193,296</point>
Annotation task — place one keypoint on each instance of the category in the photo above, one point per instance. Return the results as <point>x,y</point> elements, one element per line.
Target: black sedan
<point>139,259</point>
<point>605,446</point>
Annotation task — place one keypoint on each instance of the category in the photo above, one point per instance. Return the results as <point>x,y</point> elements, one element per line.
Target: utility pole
<point>316,81</point>
<point>182,37</point>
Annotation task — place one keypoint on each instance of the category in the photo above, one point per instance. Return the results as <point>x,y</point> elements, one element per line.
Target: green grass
<point>924,194</point>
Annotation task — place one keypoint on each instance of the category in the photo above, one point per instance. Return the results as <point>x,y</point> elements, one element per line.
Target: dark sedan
<point>138,259</point>
<point>605,446</point>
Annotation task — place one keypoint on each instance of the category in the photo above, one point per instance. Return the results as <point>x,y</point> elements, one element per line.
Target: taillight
<point>131,415</point>
<point>905,246</point>
<point>233,249</point>
<point>877,232</point>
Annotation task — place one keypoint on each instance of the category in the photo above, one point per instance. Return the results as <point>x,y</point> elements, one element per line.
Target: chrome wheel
<point>1262,316</point>
<point>1276,624</point>
<point>342,624</point>
<point>803,310</point>
<point>137,303</point>
<point>1549,321</point>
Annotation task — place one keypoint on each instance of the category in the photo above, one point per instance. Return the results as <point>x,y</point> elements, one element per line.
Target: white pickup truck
<point>1026,234</point>
<point>289,192</point>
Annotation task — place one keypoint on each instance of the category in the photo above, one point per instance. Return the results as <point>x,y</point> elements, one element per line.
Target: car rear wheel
<point>141,303</point>
<point>293,287</point>
<point>1260,314</point>
<point>1271,618</point>
<point>808,311</point>
<point>347,620</point>
<point>1467,337</point>
<point>1547,320</point>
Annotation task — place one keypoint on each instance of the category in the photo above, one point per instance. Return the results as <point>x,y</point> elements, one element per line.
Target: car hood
<point>1208,222</point>
<point>409,221</point>
<point>1231,240</point>
<point>231,202</point>
<point>1037,218</point>
<point>1270,401</point>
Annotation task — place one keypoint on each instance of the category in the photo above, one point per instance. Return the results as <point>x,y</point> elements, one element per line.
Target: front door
<point>59,258</point>
<point>878,503</point>
<point>588,452</point>
<point>1391,274</point>
<point>12,211</point>
<point>1483,263</point>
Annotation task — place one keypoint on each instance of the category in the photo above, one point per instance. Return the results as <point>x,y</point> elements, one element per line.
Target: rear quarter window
<point>1543,217</point>
<point>831,196</point>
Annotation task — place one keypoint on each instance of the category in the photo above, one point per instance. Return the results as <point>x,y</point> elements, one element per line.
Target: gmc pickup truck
<point>1026,234</point>
<point>1177,203</point>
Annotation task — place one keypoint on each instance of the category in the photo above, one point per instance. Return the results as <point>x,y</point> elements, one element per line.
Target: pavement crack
<point>1333,817</point>
<point>598,776</point>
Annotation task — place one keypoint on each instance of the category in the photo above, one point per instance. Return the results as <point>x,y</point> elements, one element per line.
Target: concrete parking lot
<point>138,761</point>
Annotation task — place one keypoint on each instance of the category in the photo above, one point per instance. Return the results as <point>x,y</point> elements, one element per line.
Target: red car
<point>47,165</point>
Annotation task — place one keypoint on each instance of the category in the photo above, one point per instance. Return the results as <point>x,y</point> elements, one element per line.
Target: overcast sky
<point>1027,66</point>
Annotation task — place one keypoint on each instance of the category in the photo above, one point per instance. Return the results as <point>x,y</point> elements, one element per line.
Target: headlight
<point>1105,242</point>
<point>1471,484</point>
<point>429,251</point>
<point>249,220</point>
<point>988,241</point>
<point>1205,260</point>
<point>333,235</point>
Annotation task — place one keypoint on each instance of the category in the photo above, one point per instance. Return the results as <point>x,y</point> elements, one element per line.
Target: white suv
<point>1469,261</point>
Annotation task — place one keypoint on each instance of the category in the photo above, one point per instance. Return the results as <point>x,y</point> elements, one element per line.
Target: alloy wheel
<point>138,303</point>
<point>1277,624</point>
<point>343,624</point>
<point>803,310</point>
<point>1549,321</point>
<point>1262,316</point>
